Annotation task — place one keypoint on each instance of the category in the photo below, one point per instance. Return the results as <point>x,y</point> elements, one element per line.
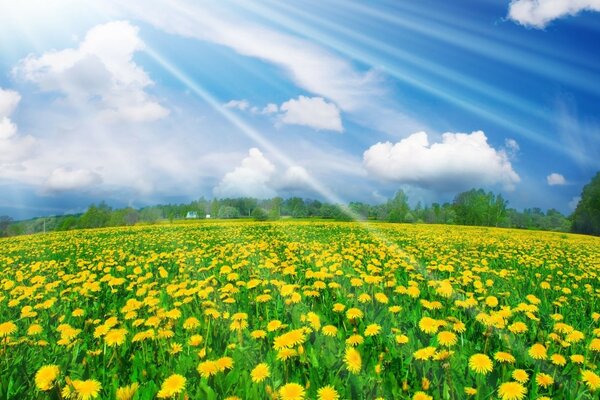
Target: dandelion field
<point>299,310</point>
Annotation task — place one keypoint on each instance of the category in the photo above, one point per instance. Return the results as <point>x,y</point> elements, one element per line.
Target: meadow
<point>299,310</point>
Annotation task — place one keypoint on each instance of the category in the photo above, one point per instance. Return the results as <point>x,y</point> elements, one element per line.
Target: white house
<point>191,215</point>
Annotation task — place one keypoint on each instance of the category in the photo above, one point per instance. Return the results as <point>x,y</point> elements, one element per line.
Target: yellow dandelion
<point>327,393</point>
<point>88,389</point>
<point>591,380</point>
<point>207,369</point>
<point>171,386</point>
<point>46,376</point>
<point>504,357</point>
<point>425,353</point>
<point>291,391</point>
<point>7,328</point>
<point>260,373</point>
<point>354,313</point>
<point>544,380</point>
<point>520,375</point>
<point>447,338</point>
<point>224,363</point>
<point>481,364</point>
<point>329,330</point>
<point>512,391</point>
<point>595,345</point>
<point>353,360</point>
<point>537,352</point>
<point>372,330</point>
<point>401,339</point>
<point>421,396</point>
<point>558,359</point>
<point>127,392</point>
<point>577,358</point>
<point>258,334</point>
<point>115,337</point>
<point>429,325</point>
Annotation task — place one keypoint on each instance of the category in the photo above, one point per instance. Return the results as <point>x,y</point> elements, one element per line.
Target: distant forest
<point>473,207</point>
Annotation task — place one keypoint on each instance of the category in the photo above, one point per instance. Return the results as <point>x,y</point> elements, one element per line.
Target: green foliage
<point>259,214</point>
<point>586,218</point>
<point>228,212</point>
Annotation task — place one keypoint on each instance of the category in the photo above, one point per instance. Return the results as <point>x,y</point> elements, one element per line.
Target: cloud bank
<point>539,13</point>
<point>100,74</point>
<point>459,161</point>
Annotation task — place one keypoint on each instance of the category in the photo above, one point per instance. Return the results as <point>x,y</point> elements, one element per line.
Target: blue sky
<point>156,101</point>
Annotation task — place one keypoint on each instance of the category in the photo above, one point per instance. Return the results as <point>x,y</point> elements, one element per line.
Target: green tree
<point>5,222</point>
<point>259,214</point>
<point>228,212</point>
<point>586,218</point>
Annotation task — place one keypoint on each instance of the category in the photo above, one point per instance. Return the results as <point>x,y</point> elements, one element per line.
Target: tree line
<point>473,207</point>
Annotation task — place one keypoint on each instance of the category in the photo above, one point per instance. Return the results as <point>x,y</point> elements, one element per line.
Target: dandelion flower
<point>421,396</point>
<point>447,338</point>
<point>7,328</point>
<point>512,391</point>
<point>520,375</point>
<point>115,337</point>
<point>88,389</point>
<point>372,330</point>
<point>480,364</point>
<point>329,330</point>
<point>595,345</point>
<point>544,380</point>
<point>45,377</point>
<point>207,369</point>
<point>401,339</point>
<point>504,357</point>
<point>260,373</point>
<point>425,353</point>
<point>354,313</point>
<point>353,360</point>
<point>127,392</point>
<point>291,391</point>
<point>537,352</point>
<point>355,340</point>
<point>591,380</point>
<point>172,386</point>
<point>429,325</point>
<point>328,393</point>
<point>557,359</point>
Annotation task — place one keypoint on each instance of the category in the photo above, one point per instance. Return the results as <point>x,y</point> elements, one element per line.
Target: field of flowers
<point>299,310</point>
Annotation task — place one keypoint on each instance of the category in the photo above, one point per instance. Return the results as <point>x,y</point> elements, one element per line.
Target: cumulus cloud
<point>270,108</point>
<point>294,178</point>
<point>251,178</point>
<point>313,112</point>
<point>459,161</point>
<point>239,104</point>
<point>99,73</point>
<point>63,179</point>
<point>556,179</point>
<point>538,13</point>
<point>13,147</point>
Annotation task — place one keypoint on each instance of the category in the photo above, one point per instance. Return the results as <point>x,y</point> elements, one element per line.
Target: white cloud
<point>556,179</point>
<point>14,148</point>
<point>239,104</point>
<point>574,202</point>
<point>538,13</point>
<point>294,178</point>
<point>270,108</point>
<point>100,73</point>
<point>251,178</point>
<point>313,112</point>
<point>512,146</point>
<point>309,66</point>
<point>9,99</point>
<point>459,162</point>
<point>63,179</point>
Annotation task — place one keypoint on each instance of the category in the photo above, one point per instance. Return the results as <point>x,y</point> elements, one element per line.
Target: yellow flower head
<point>480,364</point>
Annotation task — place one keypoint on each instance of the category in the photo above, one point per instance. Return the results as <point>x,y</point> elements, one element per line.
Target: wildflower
<point>327,393</point>
<point>591,380</point>
<point>504,357</point>
<point>447,338</point>
<point>127,392</point>
<point>260,373</point>
<point>512,391</point>
<point>401,339</point>
<point>291,391</point>
<point>520,375</point>
<point>329,330</point>
<point>425,353</point>
<point>207,369</point>
<point>544,380</point>
<point>7,328</point>
<point>537,352</point>
<point>429,325</point>
<point>480,364</point>
<point>88,389</point>
<point>172,386</point>
<point>45,377</point>
<point>115,337</point>
<point>372,330</point>
<point>355,340</point>
<point>557,359</point>
<point>353,360</point>
<point>354,313</point>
